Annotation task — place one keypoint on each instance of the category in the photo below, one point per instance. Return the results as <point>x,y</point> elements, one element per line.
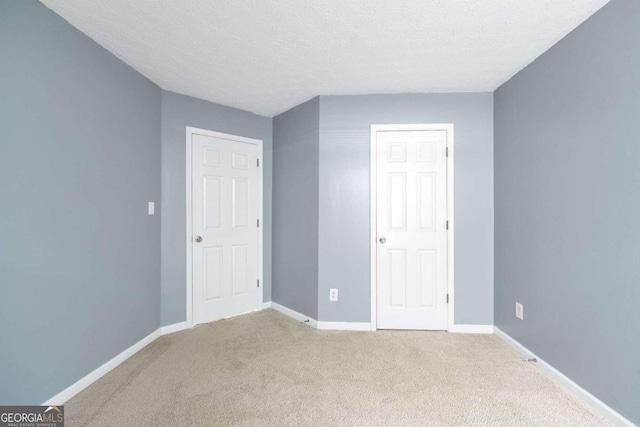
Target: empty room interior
<point>320,213</point>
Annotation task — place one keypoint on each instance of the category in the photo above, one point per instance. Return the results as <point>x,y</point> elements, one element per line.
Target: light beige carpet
<point>265,369</point>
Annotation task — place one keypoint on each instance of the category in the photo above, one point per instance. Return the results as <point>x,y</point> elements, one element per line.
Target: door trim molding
<point>189,187</point>
<point>448,127</point>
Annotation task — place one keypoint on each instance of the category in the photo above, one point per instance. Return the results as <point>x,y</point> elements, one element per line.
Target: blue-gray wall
<point>344,197</point>
<point>295,214</point>
<point>79,160</point>
<point>567,190</point>
<point>178,112</point>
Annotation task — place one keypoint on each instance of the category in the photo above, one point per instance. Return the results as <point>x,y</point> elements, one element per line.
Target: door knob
<point>383,240</point>
<point>198,239</point>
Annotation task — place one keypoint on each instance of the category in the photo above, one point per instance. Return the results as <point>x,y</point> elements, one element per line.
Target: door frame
<point>190,131</point>
<point>448,127</point>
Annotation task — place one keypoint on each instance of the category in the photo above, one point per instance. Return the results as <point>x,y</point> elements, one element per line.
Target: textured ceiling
<point>268,56</point>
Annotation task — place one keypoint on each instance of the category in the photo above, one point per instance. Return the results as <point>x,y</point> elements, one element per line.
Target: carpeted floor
<point>265,369</point>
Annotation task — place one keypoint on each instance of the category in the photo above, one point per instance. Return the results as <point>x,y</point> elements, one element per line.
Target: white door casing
<point>411,257</point>
<point>224,235</point>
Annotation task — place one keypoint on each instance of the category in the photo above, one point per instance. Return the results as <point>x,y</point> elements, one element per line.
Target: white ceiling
<point>268,56</point>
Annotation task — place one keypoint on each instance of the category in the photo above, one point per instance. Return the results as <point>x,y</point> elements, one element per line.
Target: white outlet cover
<point>519,311</point>
<point>333,294</point>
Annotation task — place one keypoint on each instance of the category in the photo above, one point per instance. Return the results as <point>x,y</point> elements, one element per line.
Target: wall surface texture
<point>567,190</point>
<point>86,142</point>
<point>178,112</point>
<point>79,161</point>
<point>344,197</point>
<point>295,214</point>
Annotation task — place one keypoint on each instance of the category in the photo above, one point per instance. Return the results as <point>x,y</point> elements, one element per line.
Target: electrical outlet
<point>152,208</point>
<point>333,295</point>
<point>519,311</point>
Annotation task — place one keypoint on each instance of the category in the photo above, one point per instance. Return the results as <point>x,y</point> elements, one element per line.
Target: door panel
<point>398,277</point>
<point>225,208</point>
<point>411,263</point>
<point>397,206</point>
<point>240,202</point>
<point>213,201</point>
<point>213,272</point>
<point>240,261</point>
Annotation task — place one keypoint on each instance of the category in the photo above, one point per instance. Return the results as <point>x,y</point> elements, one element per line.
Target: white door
<point>411,227</point>
<point>225,211</point>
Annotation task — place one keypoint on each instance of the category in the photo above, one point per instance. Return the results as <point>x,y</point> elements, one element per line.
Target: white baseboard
<point>295,315</point>
<point>599,406</point>
<point>176,327</point>
<point>472,329</point>
<point>266,305</point>
<point>344,326</point>
<point>321,325</point>
<point>96,374</point>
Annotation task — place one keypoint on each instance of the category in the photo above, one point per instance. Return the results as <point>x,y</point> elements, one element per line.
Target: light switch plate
<point>152,208</point>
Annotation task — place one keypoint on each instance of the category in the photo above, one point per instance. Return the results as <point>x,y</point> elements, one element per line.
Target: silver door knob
<point>383,240</point>
<point>198,239</point>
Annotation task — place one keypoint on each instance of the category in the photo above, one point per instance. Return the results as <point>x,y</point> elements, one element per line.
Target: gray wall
<point>178,112</point>
<point>295,216</point>
<point>344,197</point>
<point>567,189</point>
<point>79,160</point>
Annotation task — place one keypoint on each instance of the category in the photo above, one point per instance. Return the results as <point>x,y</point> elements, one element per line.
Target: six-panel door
<point>225,203</point>
<point>411,229</point>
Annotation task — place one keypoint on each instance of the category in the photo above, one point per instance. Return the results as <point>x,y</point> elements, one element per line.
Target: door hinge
<point>258,222</point>
<point>258,162</point>
<point>447,225</point>
<point>258,283</point>
<point>447,298</point>
<point>446,152</point>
